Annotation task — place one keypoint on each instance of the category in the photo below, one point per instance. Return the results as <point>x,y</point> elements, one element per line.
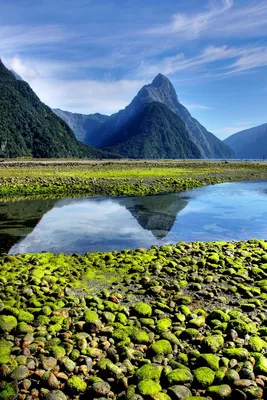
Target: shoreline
<point>135,178</point>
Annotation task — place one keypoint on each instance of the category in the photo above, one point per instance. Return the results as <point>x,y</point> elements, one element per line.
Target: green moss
<point>161,347</point>
<point>76,385</point>
<point>9,393</point>
<point>149,371</point>
<point>140,337</point>
<point>143,309</point>
<point>58,351</point>
<point>209,360</point>
<point>5,350</point>
<point>148,387</point>
<point>180,376</point>
<point>219,392</point>
<point>240,354</point>
<point>198,322</point>
<point>261,365</point>
<point>163,325</point>
<point>7,323</point>
<point>161,396</point>
<point>218,314</point>
<point>91,316</point>
<point>213,343</point>
<point>256,343</point>
<point>204,377</point>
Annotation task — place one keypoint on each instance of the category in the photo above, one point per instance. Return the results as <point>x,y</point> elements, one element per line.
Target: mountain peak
<point>160,80</point>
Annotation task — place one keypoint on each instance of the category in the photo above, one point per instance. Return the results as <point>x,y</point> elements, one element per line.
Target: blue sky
<point>94,55</point>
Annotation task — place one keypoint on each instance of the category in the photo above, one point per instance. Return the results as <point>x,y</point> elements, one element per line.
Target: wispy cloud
<point>194,24</point>
<point>236,60</point>
<point>197,106</point>
<point>15,38</point>
<point>221,18</point>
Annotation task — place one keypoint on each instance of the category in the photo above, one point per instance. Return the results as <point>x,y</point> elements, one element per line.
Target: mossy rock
<point>7,323</point>
<point>219,392</point>
<point>58,351</point>
<point>213,343</point>
<point>218,314</point>
<point>241,354</point>
<point>180,376</point>
<point>161,396</point>
<point>25,316</point>
<point>204,377</point>
<point>143,310</point>
<point>256,343</point>
<point>147,387</point>
<point>91,317</point>
<point>76,385</point>
<point>9,392</point>
<point>140,337</point>
<point>163,325</point>
<point>149,371</point>
<point>261,365</point>
<point>209,360</point>
<point>161,347</point>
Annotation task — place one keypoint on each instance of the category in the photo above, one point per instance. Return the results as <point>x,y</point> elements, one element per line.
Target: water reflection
<point>222,212</point>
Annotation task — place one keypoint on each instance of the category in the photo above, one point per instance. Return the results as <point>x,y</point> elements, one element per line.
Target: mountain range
<point>249,143</point>
<point>154,125</point>
<point>159,91</point>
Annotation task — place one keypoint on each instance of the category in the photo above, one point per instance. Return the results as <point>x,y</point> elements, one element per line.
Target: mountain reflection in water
<point>228,211</point>
<point>79,225</point>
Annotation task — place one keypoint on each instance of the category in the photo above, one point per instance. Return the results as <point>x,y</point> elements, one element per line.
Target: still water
<point>228,211</point>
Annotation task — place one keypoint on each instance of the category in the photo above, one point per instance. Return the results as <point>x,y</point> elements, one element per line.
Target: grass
<point>118,177</point>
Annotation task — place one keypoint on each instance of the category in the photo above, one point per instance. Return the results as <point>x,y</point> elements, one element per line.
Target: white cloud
<point>197,106</point>
<point>226,131</point>
<point>193,25</point>
<point>221,18</point>
<point>240,59</point>
<point>82,96</point>
<point>86,96</point>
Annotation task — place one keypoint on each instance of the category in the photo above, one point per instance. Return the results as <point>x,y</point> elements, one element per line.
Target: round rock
<point>179,392</point>
<point>101,388</point>
<point>20,373</point>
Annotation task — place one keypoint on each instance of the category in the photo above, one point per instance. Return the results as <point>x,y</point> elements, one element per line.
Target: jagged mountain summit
<point>153,132</point>
<point>30,128</point>
<point>82,125</point>
<point>162,91</point>
<point>249,143</point>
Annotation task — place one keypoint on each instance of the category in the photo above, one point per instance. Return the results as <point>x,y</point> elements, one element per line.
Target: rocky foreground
<point>186,321</point>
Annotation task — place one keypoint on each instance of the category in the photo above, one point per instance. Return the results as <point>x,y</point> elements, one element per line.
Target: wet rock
<point>101,388</point>
<point>55,395</point>
<point>179,392</point>
<point>48,363</point>
<point>20,373</point>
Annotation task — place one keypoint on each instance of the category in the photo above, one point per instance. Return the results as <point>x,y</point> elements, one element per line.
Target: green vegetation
<point>30,128</point>
<point>154,132</point>
<point>93,326</point>
<point>89,178</point>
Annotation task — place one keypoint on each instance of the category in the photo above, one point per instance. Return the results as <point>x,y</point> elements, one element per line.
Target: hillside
<point>30,128</point>
<point>154,132</point>
<point>250,143</point>
<point>82,125</point>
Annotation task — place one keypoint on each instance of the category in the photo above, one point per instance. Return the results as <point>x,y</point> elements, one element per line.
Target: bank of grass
<point>177,321</point>
<point>75,178</point>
